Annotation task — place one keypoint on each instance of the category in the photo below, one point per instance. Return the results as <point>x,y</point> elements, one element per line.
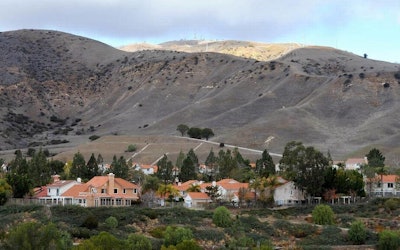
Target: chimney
<point>110,183</point>
<point>56,178</point>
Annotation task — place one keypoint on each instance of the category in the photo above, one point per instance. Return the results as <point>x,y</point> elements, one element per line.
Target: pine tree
<point>92,168</point>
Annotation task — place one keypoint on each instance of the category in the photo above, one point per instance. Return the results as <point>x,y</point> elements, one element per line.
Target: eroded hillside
<point>56,87</point>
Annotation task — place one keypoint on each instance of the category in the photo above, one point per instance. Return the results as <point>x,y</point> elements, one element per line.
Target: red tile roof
<point>198,196</point>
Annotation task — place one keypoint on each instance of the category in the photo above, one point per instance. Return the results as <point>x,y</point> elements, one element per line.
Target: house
<point>286,193</point>
<point>386,186</point>
<point>196,200</point>
<point>355,163</point>
<point>147,169</point>
<point>52,193</point>
<point>99,191</point>
<point>228,187</point>
<point>183,187</point>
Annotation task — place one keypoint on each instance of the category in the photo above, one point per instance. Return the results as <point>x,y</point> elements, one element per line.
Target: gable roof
<point>99,181</point>
<point>389,178</point>
<point>75,190</point>
<point>198,196</point>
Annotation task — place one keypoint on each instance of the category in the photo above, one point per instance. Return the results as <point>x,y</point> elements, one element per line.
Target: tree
<point>179,159</point>
<point>188,171</point>
<point>164,172</point>
<point>211,163</point>
<point>56,167</point>
<point>119,167</point>
<point>18,176</point>
<point>169,189</point>
<point>265,166</point>
<point>357,233</point>
<point>323,215</point>
<point>207,133</point>
<point>92,168</point>
<point>194,132</point>
<point>377,161</point>
<point>5,191</point>
<point>151,183</point>
<point>375,158</point>
<point>78,168</point>
<point>222,217</point>
<point>139,242</point>
<point>183,129</point>
<point>226,163</point>
<point>305,166</point>
<point>213,192</point>
<point>40,172</point>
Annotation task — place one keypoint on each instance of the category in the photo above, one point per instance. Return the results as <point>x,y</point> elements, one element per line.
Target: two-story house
<point>103,191</point>
<point>386,186</point>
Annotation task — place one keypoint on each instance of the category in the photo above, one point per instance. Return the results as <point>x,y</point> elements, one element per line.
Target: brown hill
<point>56,87</point>
<point>257,51</point>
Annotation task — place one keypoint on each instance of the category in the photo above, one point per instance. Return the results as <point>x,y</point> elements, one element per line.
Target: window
<point>390,185</point>
<point>103,190</point>
<point>115,190</point>
<point>124,191</point>
<point>135,191</point>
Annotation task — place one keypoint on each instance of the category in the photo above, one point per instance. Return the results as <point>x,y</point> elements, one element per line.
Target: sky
<point>358,26</point>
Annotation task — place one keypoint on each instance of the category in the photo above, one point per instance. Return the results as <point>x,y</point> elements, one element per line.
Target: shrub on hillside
<point>222,217</point>
<point>357,233</point>
<point>131,148</point>
<point>323,215</point>
<point>389,240</point>
<point>391,204</point>
<point>111,222</point>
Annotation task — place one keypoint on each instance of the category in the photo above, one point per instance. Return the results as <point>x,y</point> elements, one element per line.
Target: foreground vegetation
<point>367,223</point>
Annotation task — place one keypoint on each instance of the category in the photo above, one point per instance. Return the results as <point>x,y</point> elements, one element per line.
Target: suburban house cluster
<point>111,191</point>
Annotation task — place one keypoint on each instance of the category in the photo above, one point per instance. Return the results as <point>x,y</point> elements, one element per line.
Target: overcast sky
<point>358,26</point>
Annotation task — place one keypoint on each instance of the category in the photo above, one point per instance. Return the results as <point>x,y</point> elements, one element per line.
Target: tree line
<point>309,169</point>
<point>195,132</point>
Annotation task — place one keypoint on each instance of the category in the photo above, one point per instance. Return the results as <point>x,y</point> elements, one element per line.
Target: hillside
<point>57,87</point>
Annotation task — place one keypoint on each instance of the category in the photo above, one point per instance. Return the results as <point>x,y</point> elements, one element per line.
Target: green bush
<point>188,245</point>
<point>137,241</point>
<point>357,233</point>
<point>158,232</point>
<point>391,204</point>
<point>323,215</point>
<point>111,222</point>
<point>389,240</point>
<point>222,217</point>
<point>176,235</point>
<point>131,148</point>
